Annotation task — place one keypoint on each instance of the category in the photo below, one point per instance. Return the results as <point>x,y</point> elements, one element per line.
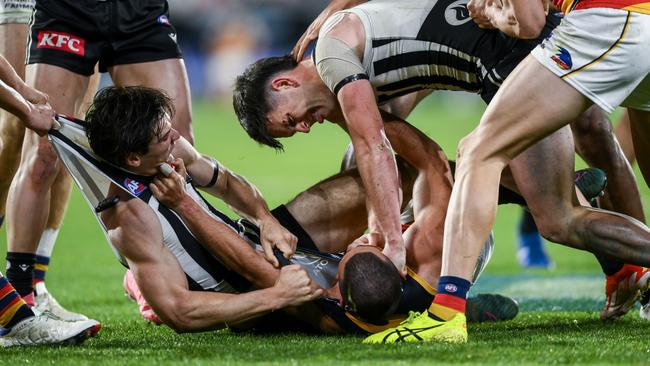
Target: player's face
<point>160,146</point>
<point>296,112</point>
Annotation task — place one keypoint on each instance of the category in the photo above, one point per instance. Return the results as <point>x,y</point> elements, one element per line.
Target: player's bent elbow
<point>532,28</point>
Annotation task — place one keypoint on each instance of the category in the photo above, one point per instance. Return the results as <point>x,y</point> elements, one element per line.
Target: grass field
<point>558,323</point>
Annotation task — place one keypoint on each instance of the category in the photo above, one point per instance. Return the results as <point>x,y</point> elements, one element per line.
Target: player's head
<point>275,97</point>
<point>131,127</point>
<point>370,284</point>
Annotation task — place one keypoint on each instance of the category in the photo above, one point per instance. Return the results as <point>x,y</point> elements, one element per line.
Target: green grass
<point>558,323</point>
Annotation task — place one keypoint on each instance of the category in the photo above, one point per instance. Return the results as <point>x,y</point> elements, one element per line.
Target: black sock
<point>20,271</point>
<point>527,223</point>
<point>2,220</point>
<point>610,266</point>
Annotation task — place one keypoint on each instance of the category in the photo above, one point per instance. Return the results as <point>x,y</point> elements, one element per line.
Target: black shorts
<point>76,34</point>
<point>520,50</point>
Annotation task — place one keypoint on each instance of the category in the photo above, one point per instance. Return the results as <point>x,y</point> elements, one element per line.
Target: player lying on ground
<point>171,258</point>
<point>368,55</point>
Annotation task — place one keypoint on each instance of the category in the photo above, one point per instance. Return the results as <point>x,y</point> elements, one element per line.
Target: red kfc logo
<point>61,41</point>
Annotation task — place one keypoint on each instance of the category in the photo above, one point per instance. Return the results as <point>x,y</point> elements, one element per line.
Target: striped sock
<point>451,297</point>
<point>13,308</point>
<point>40,268</point>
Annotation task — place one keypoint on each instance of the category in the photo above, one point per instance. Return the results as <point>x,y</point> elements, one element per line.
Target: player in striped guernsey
<point>189,288</point>
<point>435,45</point>
<point>598,55</point>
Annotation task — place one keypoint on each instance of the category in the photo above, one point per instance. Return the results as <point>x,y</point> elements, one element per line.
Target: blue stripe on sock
<point>454,286</point>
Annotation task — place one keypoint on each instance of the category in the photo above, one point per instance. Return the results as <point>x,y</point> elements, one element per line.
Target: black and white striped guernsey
<point>428,44</point>
<point>203,270</point>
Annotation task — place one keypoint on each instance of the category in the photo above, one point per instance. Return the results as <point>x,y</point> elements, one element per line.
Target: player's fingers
<point>179,166</point>
<point>268,254</point>
<point>286,249</point>
<point>166,169</point>
<point>154,189</point>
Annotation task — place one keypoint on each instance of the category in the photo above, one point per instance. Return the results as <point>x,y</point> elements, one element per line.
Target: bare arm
<point>516,18</point>
<point>311,33</point>
<point>20,100</point>
<point>241,195</point>
<point>376,165</point>
<point>136,233</point>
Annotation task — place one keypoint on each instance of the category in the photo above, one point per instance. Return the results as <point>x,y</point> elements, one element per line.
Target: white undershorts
<point>16,11</point>
<point>603,53</point>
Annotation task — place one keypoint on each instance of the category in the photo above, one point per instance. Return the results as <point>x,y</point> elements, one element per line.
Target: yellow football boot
<point>422,328</point>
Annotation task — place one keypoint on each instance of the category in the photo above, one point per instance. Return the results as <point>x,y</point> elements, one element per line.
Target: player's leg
<point>640,131</point>
<point>596,143</point>
<point>29,199</point>
<point>59,198</point>
<point>624,137</point>
<point>12,46</point>
<point>174,83</point>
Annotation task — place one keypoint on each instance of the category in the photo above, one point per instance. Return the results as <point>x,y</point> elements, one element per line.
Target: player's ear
<point>133,160</point>
<point>283,82</point>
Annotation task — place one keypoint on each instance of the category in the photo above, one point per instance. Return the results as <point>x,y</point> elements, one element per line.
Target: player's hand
<point>40,118</point>
<point>296,287</point>
<point>395,250</point>
<point>169,186</point>
<point>478,11</point>
<point>274,235</point>
<point>312,31</point>
<point>32,95</point>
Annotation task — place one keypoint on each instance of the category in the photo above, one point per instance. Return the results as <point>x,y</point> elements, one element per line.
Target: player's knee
<point>552,227</point>
<point>42,164</point>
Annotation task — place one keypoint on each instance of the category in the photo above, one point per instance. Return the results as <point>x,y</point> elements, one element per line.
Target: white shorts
<point>16,11</point>
<point>603,53</point>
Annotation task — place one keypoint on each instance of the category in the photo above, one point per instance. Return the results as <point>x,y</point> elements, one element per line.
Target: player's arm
<point>516,18</point>
<point>241,195</point>
<point>312,31</point>
<point>403,106</point>
<point>22,101</point>
<point>338,62</point>
<point>136,233</point>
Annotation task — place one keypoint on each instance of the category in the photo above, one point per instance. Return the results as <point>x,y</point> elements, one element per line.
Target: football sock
<point>527,223</point>
<point>40,268</point>
<point>610,266</point>
<point>2,220</point>
<point>451,297</point>
<point>20,271</point>
<point>43,254</point>
<point>13,308</point>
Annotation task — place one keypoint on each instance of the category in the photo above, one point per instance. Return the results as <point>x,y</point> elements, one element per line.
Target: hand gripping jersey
<point>95,178</point>
<point>429,44</point>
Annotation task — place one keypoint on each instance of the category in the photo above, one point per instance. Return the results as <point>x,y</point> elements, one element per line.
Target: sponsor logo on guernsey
<point>562,59</point>
<point>134,186</point>
<point>61,41</point>
<point>163,20</point>
<point>457,14</point>
<point>450,287</point>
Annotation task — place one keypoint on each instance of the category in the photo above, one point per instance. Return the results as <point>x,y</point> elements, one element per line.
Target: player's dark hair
<point>371,286</point>
<point>251,97</point>
<point>123,120</point>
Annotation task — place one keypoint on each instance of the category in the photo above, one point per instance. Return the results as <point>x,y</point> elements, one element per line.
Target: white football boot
<point>45,328</point>
<point>45,302</point>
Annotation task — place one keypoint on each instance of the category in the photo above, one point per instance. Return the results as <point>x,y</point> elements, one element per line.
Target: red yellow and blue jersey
<point>637,6</point>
